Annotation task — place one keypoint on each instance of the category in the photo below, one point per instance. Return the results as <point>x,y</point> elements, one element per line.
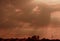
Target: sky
<point>50,2</point>
<point>23,18</point>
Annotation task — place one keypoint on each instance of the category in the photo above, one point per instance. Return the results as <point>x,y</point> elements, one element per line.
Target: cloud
<point>14,17</point>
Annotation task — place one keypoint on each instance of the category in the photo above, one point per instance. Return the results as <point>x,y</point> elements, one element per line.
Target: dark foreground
<point>33,38</point>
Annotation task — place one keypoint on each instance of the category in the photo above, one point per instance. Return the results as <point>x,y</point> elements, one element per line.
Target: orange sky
<point>27,30</point>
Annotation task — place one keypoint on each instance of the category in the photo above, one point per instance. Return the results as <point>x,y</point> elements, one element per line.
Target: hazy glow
<point>51,2</point>
<point>55,15</point>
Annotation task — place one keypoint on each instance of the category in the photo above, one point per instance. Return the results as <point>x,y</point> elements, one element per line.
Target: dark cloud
<point>12,12</point>
<point>9,15</point>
